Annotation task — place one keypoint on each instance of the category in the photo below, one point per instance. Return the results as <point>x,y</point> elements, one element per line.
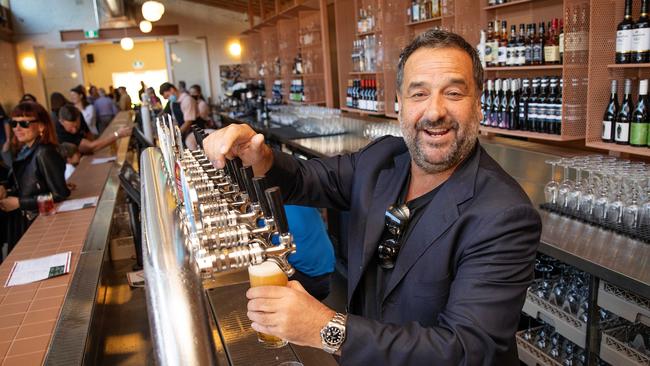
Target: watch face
<point>333,335</point>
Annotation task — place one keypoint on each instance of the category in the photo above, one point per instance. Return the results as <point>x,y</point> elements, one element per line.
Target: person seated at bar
<point>70,129</point>
<point>184,110</point>
<point>78,98</point>
<point>442,240</point>
<point>106,110</point>
<point>37,168</point>
<point>70,152</point>
<point>314,257</point>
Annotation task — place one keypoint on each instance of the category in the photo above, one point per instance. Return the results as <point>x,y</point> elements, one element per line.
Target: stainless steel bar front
<point>177,309</point>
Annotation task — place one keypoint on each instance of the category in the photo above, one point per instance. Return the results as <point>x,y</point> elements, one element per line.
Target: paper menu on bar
<point>77,204</point>
<point>38,269</point>
<point>103,160</point>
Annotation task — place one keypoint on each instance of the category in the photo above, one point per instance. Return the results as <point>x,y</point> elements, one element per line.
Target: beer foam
<point>265,269</point>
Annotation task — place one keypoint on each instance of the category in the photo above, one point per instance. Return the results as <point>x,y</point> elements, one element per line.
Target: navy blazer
<point>459,282</point>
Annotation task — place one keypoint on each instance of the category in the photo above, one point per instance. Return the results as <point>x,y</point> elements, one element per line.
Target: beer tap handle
<point>198,135</point>
<point>259,185</point>
<point>247,177</point>
<point>274,197</point>
<point>237,165</point>
<point>230,171</point>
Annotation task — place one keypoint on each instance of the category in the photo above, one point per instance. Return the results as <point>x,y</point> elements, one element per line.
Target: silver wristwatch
<point>333,333</point>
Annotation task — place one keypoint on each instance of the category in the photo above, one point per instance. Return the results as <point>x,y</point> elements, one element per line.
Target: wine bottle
<point>532,116</point>
<point>641,36</point>
<point>639,125</point>
<point>624,116</point>
<point>396,107</point>
<point>505,99</point>
<point>511,58</point>
<point>624,36</point>
<point>496,104</point>
<point>538,46</point>
<point>520,49</point>
<point>523,105</point>
<point>489,52</point>
<point>488,104</point>
<point>528,50</point>
<point>609,119</point>
<point>503,44</point>
<point>512,122</point>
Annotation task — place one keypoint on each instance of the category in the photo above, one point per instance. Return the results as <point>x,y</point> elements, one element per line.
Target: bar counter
<point>47,322</point>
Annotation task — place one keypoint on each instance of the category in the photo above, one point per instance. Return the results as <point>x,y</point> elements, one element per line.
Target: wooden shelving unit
<point>602,70</point>
<point>362,111</point>
<point>275,42</point>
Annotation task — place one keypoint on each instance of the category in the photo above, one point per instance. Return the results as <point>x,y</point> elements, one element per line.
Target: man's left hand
<point>289,313</point>
<point>9,204</point>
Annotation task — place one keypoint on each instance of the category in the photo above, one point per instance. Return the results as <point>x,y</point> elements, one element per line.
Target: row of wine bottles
<point>531,46</point>
<point>362,94</point>
<point>523,104</point>
<point>626,124</point>
<point>633,38</point>
<point>422,10</point>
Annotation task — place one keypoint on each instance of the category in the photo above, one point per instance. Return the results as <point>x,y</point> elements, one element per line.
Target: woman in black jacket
<point>37,168</point>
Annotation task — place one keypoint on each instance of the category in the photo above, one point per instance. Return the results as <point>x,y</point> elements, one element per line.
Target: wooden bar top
<point>28,313</point>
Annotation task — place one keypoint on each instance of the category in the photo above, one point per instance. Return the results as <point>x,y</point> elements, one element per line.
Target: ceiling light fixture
<point>126,43</point>
<point>145,26</point>
<point>153,10</point>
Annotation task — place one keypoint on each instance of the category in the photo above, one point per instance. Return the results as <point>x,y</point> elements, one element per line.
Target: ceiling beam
<point>237,6</point>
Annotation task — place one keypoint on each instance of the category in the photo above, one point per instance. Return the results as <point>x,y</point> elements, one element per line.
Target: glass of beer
<point>268,274</point>
<point>45,204</point>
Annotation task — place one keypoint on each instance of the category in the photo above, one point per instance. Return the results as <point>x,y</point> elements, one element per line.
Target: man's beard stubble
<point>458,151</point>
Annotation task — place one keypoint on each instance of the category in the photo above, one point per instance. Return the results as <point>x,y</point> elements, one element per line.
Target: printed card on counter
<point>78,204</point>
<point>38,269</point>
<point>103,160</point>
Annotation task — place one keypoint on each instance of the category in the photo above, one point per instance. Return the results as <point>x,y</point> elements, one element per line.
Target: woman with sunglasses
<point>37,168</point>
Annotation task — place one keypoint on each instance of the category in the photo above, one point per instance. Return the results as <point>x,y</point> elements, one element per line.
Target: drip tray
<point>228,305</point>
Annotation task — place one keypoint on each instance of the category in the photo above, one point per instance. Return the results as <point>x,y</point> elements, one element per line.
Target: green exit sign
<point>92,33</point>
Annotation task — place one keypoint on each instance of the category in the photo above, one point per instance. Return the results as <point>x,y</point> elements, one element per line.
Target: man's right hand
<point>239,140</point>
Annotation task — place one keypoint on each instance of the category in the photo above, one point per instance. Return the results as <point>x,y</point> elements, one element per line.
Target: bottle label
<point>396,107</point>
<point>510,56</point>
<point>521,55</point>
<point>488,52</point>
<point>622,133</point>
<point>551,53</point>
<point>641,40</point>
<point>503,55</point>
<point>561,42</point>
<point>624,41</point>
<point>607,130</point>
<point>537,52</point>
<point>639,134</point>
<point>528,54</point>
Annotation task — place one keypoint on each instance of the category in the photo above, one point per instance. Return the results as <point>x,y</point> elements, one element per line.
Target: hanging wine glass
<point>551,188</point>
<point>567,184</point>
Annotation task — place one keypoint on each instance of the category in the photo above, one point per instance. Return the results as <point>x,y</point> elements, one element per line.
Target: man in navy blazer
<point>465,256</point>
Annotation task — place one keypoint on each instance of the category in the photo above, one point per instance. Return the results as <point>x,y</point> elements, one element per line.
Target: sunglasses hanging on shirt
<point>396,220</point>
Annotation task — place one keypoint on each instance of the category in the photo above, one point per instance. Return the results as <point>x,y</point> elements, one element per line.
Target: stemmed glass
<point>551,188</point>
<point>567,184</point>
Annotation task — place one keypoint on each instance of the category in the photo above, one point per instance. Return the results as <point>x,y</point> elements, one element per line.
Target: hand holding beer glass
<point>268,274</point>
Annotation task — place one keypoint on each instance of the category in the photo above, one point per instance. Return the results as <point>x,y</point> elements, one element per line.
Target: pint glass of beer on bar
<point>268,274</point>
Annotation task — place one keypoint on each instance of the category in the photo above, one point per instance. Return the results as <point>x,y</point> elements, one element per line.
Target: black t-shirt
<point>367,299</point>
<point>65,136</point>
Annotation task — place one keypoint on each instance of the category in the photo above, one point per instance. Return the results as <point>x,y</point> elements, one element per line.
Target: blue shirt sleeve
<point>314,251</point>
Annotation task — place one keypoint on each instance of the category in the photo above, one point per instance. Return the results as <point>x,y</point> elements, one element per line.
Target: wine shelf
<point>365,73</point>
<point>370,33</point>
<point>524,68</point>
<point>528,134</point>
<point>511,3</point>
<point>626,149</point>
<point>431,20</point>
<point>628,66</point>
<point>320,102</point>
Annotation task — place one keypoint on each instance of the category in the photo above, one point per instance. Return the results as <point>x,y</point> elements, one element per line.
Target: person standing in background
<point>182,87</point>
<point>57,100</point>
<point>125,100</point>
<point>142,90</point>
<point>93,94</point>
<point>202,106</point>
<point>78,98</point>
<point>154,101</point>
<point>105,109</point>
<point>188,110</point>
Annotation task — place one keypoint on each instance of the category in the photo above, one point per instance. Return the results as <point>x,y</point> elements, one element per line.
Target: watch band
<point>338,321</point>
<point>117,135</point>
